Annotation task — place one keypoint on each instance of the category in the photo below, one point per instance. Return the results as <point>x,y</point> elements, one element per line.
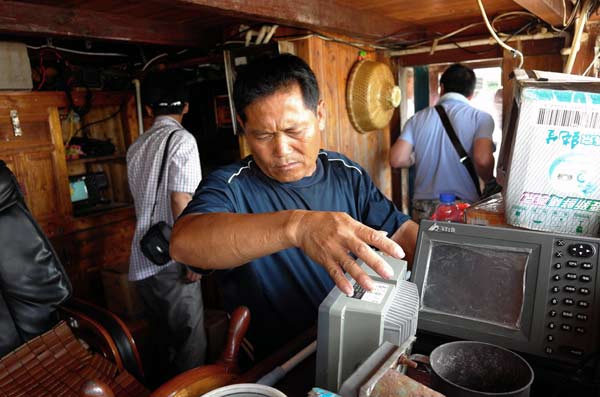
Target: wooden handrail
<point>238,326</point>
<point>198,381</point>
<point>96,388</point>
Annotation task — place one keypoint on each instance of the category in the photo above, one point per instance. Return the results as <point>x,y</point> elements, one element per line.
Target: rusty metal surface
<point>396,384</point>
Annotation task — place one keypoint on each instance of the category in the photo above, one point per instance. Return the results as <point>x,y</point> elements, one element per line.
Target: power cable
<point>112,115</point>
<point>103,54</point>
<point>495,36</point>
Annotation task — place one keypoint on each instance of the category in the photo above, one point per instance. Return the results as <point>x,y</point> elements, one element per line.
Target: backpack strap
<point>462,153</point>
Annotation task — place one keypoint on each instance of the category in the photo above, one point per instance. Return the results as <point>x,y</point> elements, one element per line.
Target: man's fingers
<point>191,276</point>
<point>373,260</point>
<point>337,275</point>
<point>379,240</point>
<point>358,274</point>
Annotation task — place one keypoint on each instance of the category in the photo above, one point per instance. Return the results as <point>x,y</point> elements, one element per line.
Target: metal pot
<point>476,369</point>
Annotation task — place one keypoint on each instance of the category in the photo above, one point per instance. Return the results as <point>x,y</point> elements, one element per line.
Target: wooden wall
<point>332,63</point>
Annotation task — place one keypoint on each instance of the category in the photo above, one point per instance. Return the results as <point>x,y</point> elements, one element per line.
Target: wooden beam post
<point>551,11</point>
<point>316,15</point>
<point>43,20</point>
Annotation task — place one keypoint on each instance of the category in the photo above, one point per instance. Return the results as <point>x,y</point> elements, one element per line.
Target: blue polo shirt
<point>437,167</point>
<point>284,290</point>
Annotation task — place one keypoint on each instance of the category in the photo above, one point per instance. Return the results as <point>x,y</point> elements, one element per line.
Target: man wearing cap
<point>171,293</point>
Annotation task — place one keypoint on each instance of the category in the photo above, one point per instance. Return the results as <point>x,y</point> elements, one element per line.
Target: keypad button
<point>551,325</point>
<point>570,289</point>
<point>554,301</point>
<point>556,277</point>
<point>557,265</point>
<point>586,266</point>
<point>585,278</point>
<point>581,316</point>
<point>550,338</point>
<point>584,291</point>
<point>568,301</point>
<point>572,263</point>
<point>567,314</point>
<point>549,350</point>
<point>558,254</point>
<point>560,243</point>
<point>552,313</point>
<point>565,327</point>
<point>580,330</point>
<point>555,289</point>
<point>571,276</point>
<point>584,304</point>
<point>581,250</point>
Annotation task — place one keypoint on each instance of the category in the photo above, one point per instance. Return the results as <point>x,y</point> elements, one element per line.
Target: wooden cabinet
<point>34,127</point>
<point>36,155</point>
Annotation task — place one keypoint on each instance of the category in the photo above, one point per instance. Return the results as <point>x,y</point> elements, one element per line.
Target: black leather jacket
<point>33,282</point>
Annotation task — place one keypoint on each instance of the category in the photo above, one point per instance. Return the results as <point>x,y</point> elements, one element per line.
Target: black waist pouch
<point>155,243</point>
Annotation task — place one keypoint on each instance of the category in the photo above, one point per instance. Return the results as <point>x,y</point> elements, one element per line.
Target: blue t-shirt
<point>437,167</point>
<point>283,290</point>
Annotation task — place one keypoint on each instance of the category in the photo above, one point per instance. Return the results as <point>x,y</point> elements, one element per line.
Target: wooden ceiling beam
<point>551,11</point>
<point>42,20</point>
<point>317,15</point>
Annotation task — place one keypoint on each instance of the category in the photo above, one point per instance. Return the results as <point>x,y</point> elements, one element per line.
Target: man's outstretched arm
<point>227,240</point>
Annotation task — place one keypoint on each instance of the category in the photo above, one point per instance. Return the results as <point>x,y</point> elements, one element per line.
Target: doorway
<point>420,87</point>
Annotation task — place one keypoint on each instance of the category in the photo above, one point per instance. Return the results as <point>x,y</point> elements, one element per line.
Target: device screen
<point>79,190</point>
<point>476,282</point>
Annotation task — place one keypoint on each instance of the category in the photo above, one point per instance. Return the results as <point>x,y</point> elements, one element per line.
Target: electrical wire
<point>361,46</point>
<point>103,54</point>
<point>589,67</point>
<point>446,36</point>
<point>495,36</point>
<point>164,54</point>
<point>83,127</point>
<point>513,14</point>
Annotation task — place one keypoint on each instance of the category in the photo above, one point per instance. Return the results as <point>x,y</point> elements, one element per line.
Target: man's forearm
<point>406,236</point>
<point>226,240</point>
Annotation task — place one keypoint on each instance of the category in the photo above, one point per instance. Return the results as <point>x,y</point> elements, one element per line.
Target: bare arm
<point>179,201</point>
<point>406,236</point>
<point>227,240</point>
<point>401,154</point>
<point>483,157</point>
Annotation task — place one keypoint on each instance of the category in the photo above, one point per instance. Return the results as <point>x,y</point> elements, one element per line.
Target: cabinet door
<point>36,156</point>
<point>88,252</point>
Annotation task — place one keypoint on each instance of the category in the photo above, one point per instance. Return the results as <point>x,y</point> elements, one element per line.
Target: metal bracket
<point>16,123</point>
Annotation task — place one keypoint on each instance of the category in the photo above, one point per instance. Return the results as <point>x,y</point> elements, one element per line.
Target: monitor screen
<point>457,273</point>
<point>78,190</point>
<point>534,292</point>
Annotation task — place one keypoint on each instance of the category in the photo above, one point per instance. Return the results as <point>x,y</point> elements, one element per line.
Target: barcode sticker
<point>568,118</point>
<point>374,296</point>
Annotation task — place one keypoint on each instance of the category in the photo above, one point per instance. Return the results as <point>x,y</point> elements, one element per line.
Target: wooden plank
<point>551,11</point>
<point>312,14</point>
<point>332,63</point>
<point>36,19</point>
<point>530,48</point>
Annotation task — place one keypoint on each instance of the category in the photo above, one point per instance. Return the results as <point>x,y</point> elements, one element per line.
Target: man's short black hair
<point>165,92</point>
<point>459,78</point>
<point>264,76</point>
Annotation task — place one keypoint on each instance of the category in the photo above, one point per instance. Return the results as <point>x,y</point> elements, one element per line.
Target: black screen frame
<point>523,339</point>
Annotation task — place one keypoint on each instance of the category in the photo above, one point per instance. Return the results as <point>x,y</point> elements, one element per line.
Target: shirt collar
<point>166,120</point>
<point>453,96</point>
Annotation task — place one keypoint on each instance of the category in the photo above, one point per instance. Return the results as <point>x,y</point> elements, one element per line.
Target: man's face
<point>283,135</point>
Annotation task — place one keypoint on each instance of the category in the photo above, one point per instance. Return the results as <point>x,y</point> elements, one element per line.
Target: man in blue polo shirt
<point>284,225</point>
<point>424,143</point>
